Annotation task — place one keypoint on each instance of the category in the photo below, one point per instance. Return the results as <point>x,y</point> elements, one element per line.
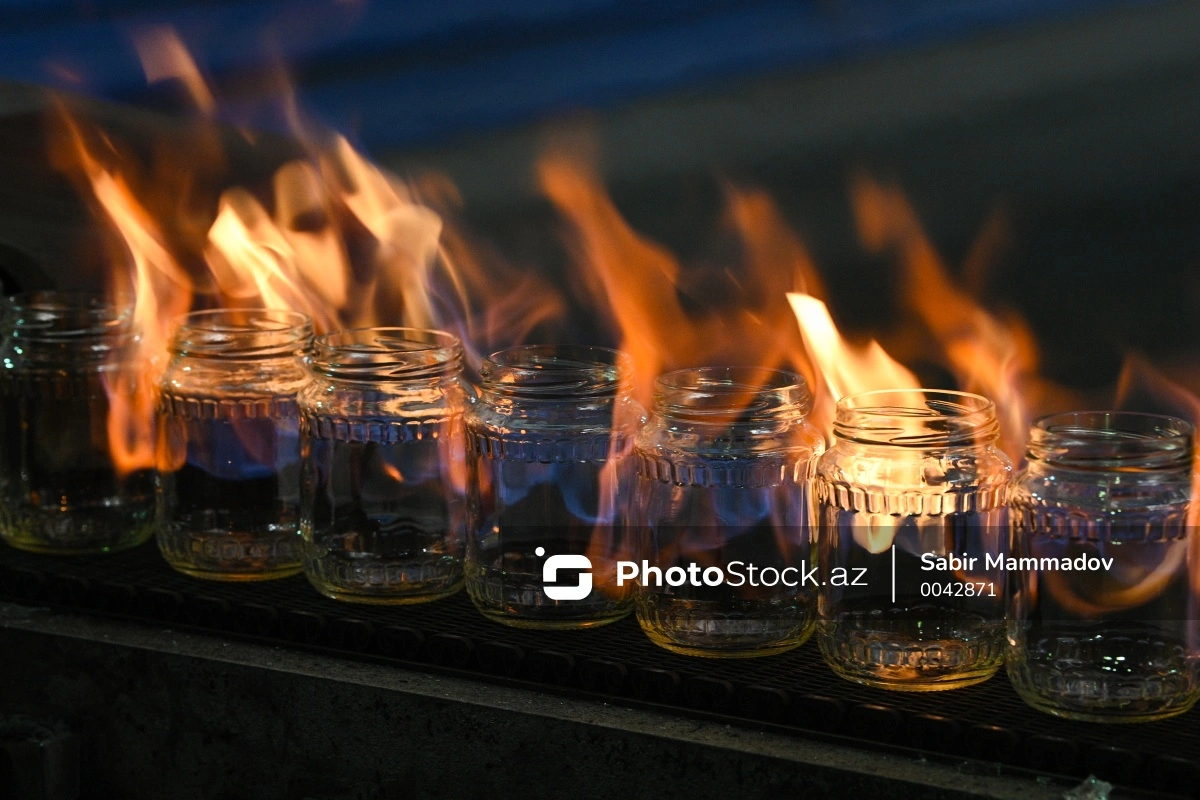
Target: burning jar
<point>1101,616</point>
<point>550,441</point>
<point>229,444</point>
<point>62,487</point>
<point>911,522</point>
<point>383,486</point>
<point>723,513</point>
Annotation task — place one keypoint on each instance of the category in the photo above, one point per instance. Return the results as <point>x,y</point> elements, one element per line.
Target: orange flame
<point>393,472</point>
<point>164,56</point>
<point>844,369</point>
<point>1142,387</point>
<point>638,282</point>
<point>295,256</point>
<point>157,289</point>
<point>350,244</point>
<point>641,286</point>
<point>989,356</point>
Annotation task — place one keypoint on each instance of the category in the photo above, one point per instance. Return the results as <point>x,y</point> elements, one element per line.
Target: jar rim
<point>1112,440</point>
<point>387,353</point>
<point>730,395</point>
<point>56,316</point>
<point>242,333</point>
<point>556,371</point>
<point>243,319</point>
<point>917,418</point>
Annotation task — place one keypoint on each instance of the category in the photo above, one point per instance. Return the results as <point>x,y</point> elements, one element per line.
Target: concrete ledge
<point>170,714</point>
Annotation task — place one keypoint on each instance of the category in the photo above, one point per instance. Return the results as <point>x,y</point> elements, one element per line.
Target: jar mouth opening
<point>556,371</point>
<point>54,316</point>
<point>731,395</point>
<point>242,333</point>
<point>387,353</point>
<point>916,418</point>
<point>1112,440</point>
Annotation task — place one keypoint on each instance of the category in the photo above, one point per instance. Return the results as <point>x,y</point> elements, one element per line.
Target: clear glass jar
<point>229,444</point>
<point>911,507</point>
<point>1112,637</point>
<point>723,470</point>
<point>383,489</point>
<point>550,440</point>
<point>60,489</point>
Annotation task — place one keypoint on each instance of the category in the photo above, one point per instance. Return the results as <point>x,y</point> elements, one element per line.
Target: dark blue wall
<point>413,73</point>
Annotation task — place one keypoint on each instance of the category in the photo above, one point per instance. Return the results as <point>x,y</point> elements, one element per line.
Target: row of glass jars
<point>561,505</point>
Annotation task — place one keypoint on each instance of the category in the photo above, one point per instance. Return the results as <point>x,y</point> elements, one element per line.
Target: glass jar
<point>550,440</point>
<point>911,519</point>
<point>723,513</point>
<point>383,488</point>
<point>61,490</point>
<point>229,444</point>
<point>1101,616</point>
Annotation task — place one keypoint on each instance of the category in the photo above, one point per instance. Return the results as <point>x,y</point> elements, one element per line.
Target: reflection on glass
<point>61,490</point>
<point>723,469</point>
<point>913,487</point>
<point>1103,627</point>
<point>549,443</point>
<point>384,478</point>
<point>229,445</point>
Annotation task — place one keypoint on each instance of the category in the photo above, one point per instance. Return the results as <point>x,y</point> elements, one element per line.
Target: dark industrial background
<point>1077,120</point>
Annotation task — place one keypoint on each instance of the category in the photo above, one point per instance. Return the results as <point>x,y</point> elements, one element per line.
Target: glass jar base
<point>232,556</point>
<point>667,643</point>
<point>237,577</point>
<point>518,600</point>
<point>942,684</point>
<point>375,580</point>
<point>1159,682</point>
<point>725,628</point>
<point>513,620</point>
<point>42,546</point>
<point>1115,715</point>
<point>884,659</point>
<point>395,598</point>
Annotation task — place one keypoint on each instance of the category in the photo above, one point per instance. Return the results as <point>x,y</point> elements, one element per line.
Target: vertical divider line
<point>893,574</point>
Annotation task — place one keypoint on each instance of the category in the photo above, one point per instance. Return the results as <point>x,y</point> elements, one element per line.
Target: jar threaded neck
<point>731,396</point>
<point>917,418</point>
<point>555,372</point>
<point>64,317</point>
<point>251,333</point>
<point>1112,441</point>
<point>387,354</point>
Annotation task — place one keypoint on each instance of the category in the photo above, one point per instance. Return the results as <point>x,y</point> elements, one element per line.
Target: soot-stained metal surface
<point>793,693</point>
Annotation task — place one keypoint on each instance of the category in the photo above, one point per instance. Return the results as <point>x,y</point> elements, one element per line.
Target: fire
<point>164,56</point>
<point>844,369</point>
<point>990,356</point>
<point>335,237</point>
<point>348,243</point>
<point>158,290</point>
<point>640,287</point>
<point>1142,387</point>
<point>639,284</point>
